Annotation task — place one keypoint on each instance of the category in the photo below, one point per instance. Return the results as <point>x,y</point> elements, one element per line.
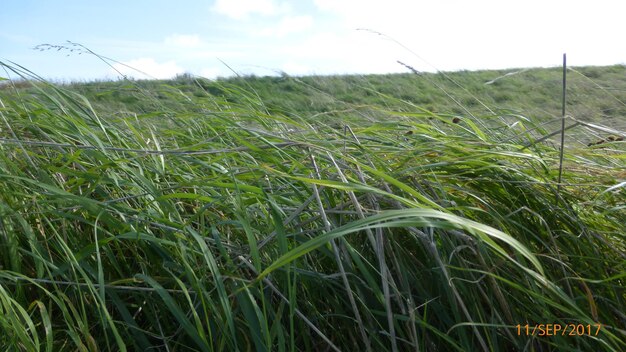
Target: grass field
<point>413,212</point>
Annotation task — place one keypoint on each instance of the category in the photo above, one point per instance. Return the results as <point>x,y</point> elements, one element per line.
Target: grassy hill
<point>396,212</point>
<point>594,93</point>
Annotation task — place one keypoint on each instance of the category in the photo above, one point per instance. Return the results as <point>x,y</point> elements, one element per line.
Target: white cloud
<point>184,40</point>
<point>288,25</point>
<point>212,73</point>
<point>295,69</point>
<point>352,51</point>
<point>150,67</point>
<point>481,34</point>
<point>342,6</point>
<point>242,9</point>
<point>370,11</point>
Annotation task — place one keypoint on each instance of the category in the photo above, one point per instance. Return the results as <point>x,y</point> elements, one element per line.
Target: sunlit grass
<point>216,224</point>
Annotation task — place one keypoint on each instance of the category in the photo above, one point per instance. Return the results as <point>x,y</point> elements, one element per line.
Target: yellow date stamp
<point>558,329</point>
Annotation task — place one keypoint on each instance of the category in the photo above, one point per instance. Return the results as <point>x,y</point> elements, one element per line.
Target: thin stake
<point>558,189</point>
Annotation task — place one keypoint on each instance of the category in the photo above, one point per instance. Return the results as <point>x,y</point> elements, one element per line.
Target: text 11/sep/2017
<point>558,329</point>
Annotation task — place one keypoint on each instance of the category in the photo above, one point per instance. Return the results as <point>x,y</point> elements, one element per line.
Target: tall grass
<point>215,225</point>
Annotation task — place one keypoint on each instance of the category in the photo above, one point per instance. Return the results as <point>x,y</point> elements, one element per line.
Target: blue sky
<point>263,37</point>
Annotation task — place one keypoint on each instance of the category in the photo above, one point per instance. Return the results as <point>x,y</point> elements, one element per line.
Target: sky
<point>77,40</point>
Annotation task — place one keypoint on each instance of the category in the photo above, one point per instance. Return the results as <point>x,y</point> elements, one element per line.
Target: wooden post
<point>562,126</point>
